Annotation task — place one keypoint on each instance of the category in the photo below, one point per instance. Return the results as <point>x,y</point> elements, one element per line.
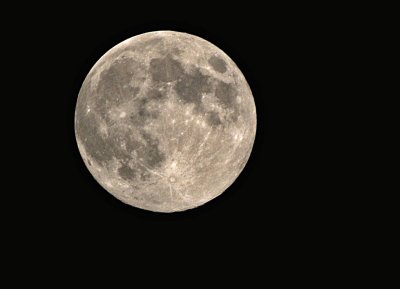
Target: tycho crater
<point>165,121</point>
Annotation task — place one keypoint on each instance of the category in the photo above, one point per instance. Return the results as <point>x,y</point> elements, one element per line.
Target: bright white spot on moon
<point>124,185</point>
<point>103,129</point>
<point>108,184</point>
<point>122,114</point>
<point>173,165</point>
<point>238,136</point>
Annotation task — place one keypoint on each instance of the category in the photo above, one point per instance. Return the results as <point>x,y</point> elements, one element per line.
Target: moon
<point>165,121</point>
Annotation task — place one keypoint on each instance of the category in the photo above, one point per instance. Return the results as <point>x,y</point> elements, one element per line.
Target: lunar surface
<point>165,121</point>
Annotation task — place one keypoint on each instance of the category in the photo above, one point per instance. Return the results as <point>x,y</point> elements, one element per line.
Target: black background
<point>282,201</point>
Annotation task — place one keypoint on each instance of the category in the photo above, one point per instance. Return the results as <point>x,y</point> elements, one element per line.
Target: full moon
<point>165,121</point>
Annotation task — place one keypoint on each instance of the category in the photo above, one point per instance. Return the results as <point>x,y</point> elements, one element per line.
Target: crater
<point>217,64</point>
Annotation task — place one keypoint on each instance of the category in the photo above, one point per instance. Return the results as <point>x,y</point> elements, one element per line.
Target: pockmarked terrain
<point>165,121</point>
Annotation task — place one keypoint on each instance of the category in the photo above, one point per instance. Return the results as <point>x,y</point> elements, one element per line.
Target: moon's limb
<point>165,121</point>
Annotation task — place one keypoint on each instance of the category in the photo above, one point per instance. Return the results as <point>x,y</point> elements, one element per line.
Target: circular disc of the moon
<point>165,121</point>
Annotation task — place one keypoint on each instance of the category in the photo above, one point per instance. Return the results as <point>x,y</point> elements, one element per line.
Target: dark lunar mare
<point>126,172</point>
<point>213,119</point>
<point>218,64</point>
<point>113,87</point>
<point>102,148</point>
<point>190,88</point>
<point>165,69</point>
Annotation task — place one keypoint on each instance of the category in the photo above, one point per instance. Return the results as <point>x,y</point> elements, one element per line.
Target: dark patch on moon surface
<point>126,172</point>
<point>154,157</point>
<point>213,119</point>
<point>145,112</point>
<point>146,107</point>
<point>165,69</point>
<point>155,94</point>
<point>131,143</point>
<point>95,145</point>
<point>217,63</point>
<point>113,89</point>
<point>103,148</point>
<point>159,123</point>
<point>226,94</point>
<point>190,88</point>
